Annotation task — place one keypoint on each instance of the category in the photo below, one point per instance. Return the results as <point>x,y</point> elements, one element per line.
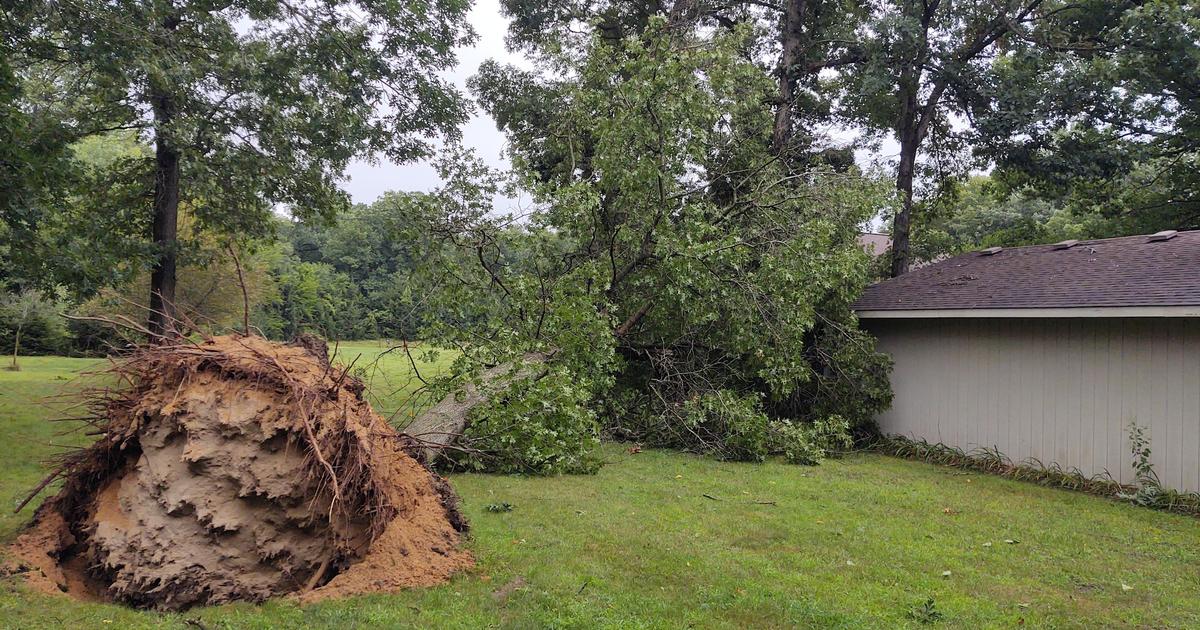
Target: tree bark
<point>911,129</point>
<point>912,126</point>
<point>16,348</point>
<point>164,231</point>
<point>791,37</point>
<point>900,224</point>
<point>164,228</point>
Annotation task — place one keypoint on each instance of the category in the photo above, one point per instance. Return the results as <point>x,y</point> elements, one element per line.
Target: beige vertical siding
<point>1057,390</point>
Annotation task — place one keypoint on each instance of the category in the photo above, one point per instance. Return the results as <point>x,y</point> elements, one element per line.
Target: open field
<point>660,539</point>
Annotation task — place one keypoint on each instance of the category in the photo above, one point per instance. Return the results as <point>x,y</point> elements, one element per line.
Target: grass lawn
<point>858,542</point>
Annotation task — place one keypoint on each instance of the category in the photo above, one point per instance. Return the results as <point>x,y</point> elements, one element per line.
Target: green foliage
<point>313,298</point>
<point>536,425</point>
<point>362,246</point>
<point>724,424</point>
<point>850,378</point>
<point>42,328</point>
<point>1139,447</point>
<point>1147,490</point>
<point>810,443</point>
<point>669,250</point>
<point>926,613</point>
<point>34,154</point>
<point>1096,112</point>
<point>209,291</point>
<point>265,103</point>
<point>994,462</point>
<point>732,426</point>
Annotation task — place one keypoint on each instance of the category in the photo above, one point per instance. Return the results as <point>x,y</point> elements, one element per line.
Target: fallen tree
<point>440,428</point>
<point>693,287</point>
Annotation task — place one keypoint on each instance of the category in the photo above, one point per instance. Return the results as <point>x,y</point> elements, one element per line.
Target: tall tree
<point>812,36</point>
<point>251,105</point>
<point>1098,108</point>
<point>33,147</point>
<point>922,61</point>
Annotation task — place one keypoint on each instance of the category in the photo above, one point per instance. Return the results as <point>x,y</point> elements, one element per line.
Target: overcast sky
<point>368,181</point>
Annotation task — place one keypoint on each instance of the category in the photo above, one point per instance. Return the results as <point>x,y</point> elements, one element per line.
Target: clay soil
<point>239,469</point>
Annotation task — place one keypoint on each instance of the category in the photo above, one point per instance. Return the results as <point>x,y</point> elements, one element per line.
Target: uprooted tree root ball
<point>239,469</point>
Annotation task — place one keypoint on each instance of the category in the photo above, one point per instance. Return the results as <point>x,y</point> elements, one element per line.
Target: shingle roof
<point>1114,272</point>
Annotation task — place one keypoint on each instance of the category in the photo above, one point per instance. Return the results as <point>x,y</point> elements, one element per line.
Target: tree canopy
<point>1099,109</point>
<point>250,105</point>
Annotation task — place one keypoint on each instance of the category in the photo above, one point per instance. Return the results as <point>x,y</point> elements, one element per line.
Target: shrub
<point>36,315</point>
<point>991,460</point>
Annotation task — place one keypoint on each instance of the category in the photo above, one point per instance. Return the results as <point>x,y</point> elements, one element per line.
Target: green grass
<point>389,371</point>
<point>853,543</point>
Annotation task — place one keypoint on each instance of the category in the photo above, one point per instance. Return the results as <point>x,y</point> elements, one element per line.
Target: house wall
<point>1058,390</point>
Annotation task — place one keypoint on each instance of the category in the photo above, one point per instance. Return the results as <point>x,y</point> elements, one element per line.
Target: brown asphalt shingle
<point>1126,271</point>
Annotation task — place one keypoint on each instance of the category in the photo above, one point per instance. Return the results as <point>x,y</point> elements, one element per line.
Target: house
<point>1049,352</point>
<point>876,244</point>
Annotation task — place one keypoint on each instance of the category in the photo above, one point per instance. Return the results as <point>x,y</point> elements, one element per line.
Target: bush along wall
<point>1145,492</point>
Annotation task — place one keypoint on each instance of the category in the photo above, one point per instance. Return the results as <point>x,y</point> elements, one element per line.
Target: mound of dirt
<point>239,469</point>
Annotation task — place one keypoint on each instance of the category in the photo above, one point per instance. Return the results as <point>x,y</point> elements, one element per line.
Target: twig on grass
<point>754,502</point>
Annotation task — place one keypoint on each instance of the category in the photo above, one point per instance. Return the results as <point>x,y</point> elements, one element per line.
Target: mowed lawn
<point>665,540</point>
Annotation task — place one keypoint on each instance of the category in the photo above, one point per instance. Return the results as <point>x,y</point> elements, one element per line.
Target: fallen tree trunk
<point>440,427</point>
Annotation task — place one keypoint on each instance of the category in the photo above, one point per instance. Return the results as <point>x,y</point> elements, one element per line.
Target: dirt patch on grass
<point>239,469</point>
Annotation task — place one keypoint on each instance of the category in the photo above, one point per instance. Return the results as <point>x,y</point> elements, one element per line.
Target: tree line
<point>346,280</point>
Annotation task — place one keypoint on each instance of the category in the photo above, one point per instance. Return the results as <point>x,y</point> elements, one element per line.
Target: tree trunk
<point>166,218</point>
<point>791,36</point>
<point>16,348</point>
<point>908,132</point>
<point>900,225</point>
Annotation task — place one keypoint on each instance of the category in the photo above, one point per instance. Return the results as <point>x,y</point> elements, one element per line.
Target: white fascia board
<point>1002,313</point>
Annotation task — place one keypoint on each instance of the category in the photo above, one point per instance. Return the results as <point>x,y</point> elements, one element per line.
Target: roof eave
<point>1036,313</point>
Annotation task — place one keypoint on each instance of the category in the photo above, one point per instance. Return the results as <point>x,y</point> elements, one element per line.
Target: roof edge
<point>1034,313</point>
